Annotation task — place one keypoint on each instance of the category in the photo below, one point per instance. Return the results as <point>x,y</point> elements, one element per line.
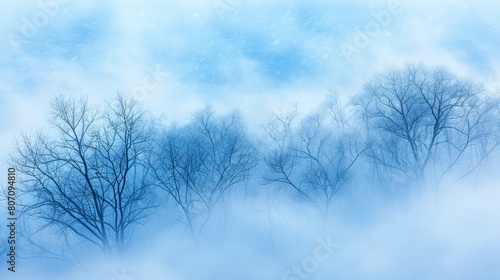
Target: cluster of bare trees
<point>87,176</point>
<point>197,163</point>
<point>95,173</point>
<point>426,124</point>
<point>314,156</point>
<point>98,172</point>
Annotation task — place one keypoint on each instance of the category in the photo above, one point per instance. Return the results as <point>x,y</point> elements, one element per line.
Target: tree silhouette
<point>427,123</point>
<point>197,163</point>
<point>85,178</point>
<point>314,156</point>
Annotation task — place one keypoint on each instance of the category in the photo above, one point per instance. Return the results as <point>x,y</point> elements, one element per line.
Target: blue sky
<point>257,56</point>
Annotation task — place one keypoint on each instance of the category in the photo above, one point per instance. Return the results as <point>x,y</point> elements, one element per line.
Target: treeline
<point>96,173</point>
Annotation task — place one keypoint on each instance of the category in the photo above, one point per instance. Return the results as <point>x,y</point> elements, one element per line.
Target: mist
<point>453,237</point>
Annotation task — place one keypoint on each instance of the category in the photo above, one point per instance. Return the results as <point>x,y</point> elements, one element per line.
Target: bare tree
<point>425,123</point>
<point>314,156</point>
<point>198,163</point>
<point>85,178</point>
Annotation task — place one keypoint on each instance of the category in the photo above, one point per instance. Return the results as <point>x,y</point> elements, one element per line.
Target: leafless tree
<point>198,163</point>
<point>427,123</point>
<point>85,177</point>
<point>314,156</point>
